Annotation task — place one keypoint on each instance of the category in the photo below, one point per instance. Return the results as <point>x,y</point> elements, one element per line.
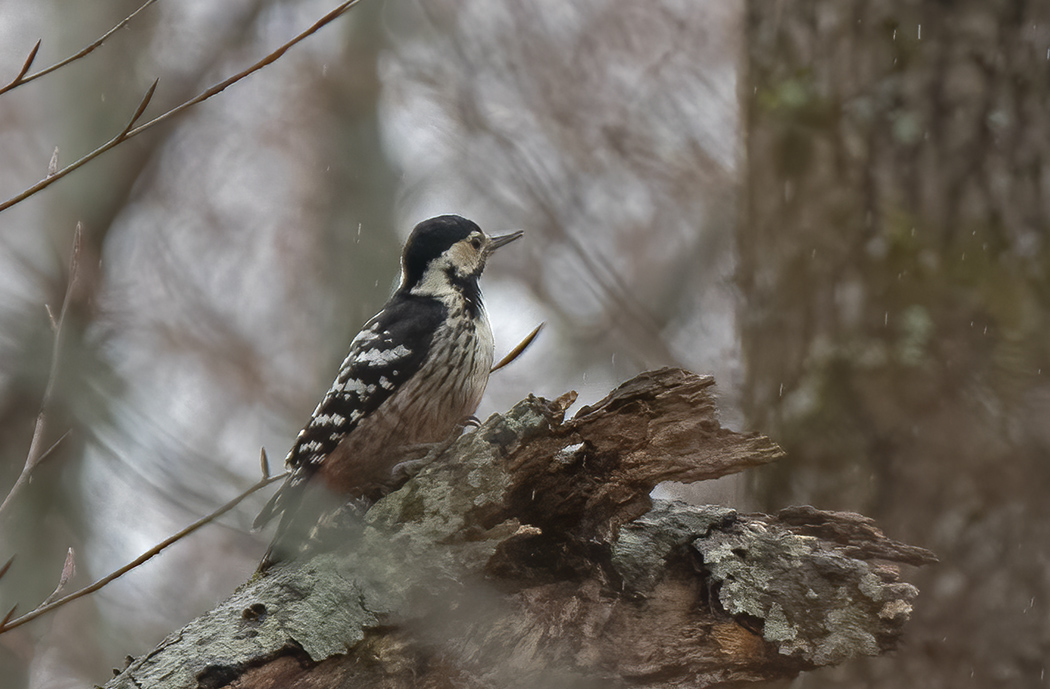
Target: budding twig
<point>130,130</point>
<point>21,77</point>
<point>52,166</point>
<point>264,461</point>
<point>69,568</point>
<point>7,617</point>
<point>139,110</point>
<point>25,68</point>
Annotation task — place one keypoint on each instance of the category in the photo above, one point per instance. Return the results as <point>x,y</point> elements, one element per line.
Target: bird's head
<point>446,255</point>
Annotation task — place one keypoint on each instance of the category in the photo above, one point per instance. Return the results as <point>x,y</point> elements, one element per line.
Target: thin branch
<point>45,608</point>
<point>130,130</point>
<point>36,452</point>
<point>21,78</point>
<point>74,266</point>
<point>55,444</point>
<point>519,350</point>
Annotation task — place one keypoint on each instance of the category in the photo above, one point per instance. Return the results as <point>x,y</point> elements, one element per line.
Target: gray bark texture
<point>529,554</point>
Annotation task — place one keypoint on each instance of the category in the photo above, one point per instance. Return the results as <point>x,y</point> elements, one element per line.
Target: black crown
<point>430,239</point>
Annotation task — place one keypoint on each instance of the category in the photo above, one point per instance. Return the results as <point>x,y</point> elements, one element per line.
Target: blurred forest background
<point>838,208</point>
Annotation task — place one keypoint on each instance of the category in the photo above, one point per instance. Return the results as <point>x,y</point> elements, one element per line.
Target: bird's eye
<point>475,242</point>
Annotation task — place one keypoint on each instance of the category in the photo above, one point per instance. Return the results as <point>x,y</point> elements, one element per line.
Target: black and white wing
<point>387,352</point>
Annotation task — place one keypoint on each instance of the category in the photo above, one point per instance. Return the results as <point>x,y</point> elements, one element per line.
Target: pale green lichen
<point>643,545</point>
<point>813,601</point>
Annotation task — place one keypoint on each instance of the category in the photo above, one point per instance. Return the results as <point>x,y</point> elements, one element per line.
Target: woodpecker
<point>414,375</point>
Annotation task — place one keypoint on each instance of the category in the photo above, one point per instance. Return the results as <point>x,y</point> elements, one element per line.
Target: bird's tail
<point>312,519</point>
<point>285,502</point>
<point>267,512</point>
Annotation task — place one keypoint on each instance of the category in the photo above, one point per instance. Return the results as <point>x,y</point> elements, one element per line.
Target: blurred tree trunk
<point>363,196</point>
<point>894,262</point>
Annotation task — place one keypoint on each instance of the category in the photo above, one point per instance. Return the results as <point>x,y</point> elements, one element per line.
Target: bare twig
<point>46,607</point>
<point>36,452</point>
<point>125,134</point>
<point>519,350</point>
<point>7,566</point>
<point>130,130</point>
<point>55,444</point>
<point>21,78</point>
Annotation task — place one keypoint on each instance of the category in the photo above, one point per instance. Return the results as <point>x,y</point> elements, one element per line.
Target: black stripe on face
<point>468,286</point>
<point>430,239</point>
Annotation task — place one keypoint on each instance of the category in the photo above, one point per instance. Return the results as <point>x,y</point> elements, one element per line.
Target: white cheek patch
<point>464,257</point>
<point>461,258</point>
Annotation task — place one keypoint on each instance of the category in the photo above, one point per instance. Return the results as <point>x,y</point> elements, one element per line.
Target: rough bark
<point>530,554</point>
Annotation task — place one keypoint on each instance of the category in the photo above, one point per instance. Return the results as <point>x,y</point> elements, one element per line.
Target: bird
<point>414,375</point>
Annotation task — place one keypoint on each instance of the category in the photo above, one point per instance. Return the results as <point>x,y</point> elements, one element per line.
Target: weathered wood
<point>530,554</point>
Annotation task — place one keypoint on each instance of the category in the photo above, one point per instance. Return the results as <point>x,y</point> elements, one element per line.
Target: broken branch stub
<point>593,473</point>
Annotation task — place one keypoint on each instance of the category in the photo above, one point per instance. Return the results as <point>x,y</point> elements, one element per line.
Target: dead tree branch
<point>530,554</point>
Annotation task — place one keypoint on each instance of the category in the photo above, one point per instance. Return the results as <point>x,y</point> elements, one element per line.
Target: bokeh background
<point>838,208</point>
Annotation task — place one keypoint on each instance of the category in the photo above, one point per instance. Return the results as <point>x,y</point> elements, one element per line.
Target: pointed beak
<point>503,239</point>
